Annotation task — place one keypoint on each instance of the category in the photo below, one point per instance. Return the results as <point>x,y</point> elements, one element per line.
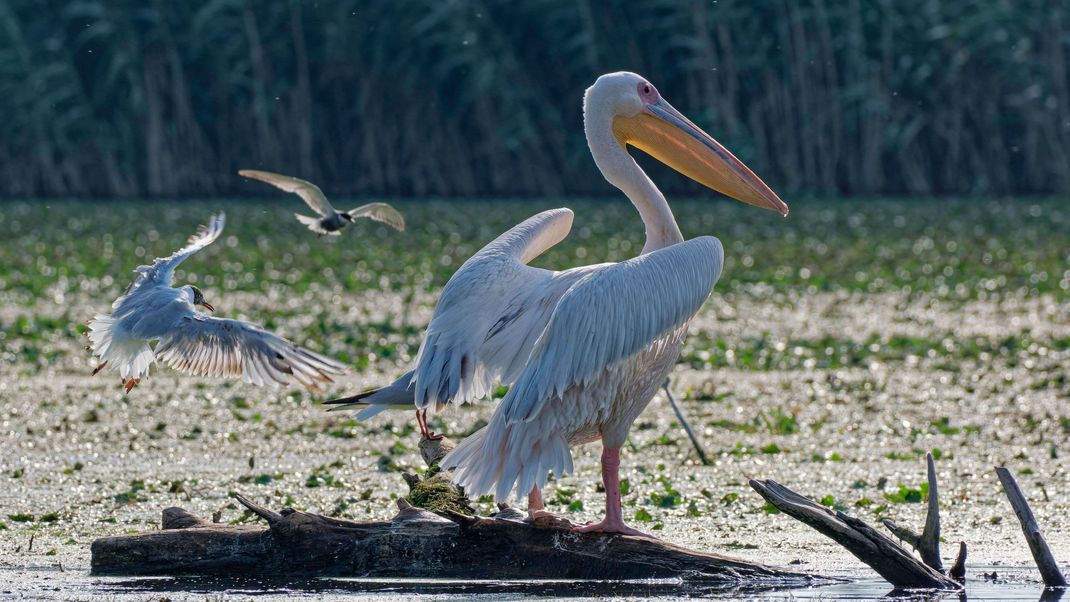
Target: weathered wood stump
<point>417,543</point>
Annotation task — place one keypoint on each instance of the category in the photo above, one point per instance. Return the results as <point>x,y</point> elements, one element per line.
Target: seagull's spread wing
<point>490,314</point>
<point>612,314</point>
<point>162,269</point>
<point>304,189</point>
<point>200,344</point>
<point>380,212</point>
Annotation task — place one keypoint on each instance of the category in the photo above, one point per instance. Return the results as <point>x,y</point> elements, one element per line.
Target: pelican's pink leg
<point>535,505</point>
<point>535,499</point>
<point>538,515</point>
<point>614,520</point>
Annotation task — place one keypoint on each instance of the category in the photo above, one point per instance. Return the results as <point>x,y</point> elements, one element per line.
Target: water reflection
<point>668,589</point>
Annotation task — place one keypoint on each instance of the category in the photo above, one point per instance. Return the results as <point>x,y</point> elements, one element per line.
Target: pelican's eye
<point>647,92</point>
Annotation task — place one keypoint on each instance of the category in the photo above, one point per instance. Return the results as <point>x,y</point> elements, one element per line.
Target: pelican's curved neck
<point>622,171</point>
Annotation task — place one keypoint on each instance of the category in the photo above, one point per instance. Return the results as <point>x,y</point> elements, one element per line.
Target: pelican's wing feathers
<point>380,212</point>
<point>308,191</point>
<point>162,269</point>
<point>207,346</point>
<point>612,314</point>
<point>491,313</point>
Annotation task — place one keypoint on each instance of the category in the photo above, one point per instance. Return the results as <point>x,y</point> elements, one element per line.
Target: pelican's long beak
<point>662,132</point>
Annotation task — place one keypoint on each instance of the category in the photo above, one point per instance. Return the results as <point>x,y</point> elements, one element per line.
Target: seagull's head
<point>198,297</point>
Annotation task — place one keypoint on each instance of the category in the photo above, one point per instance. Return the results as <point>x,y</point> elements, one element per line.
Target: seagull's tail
<point>313,224</point>
<point>397,395</point>
<point>131,357</point>
<point>501,456</point>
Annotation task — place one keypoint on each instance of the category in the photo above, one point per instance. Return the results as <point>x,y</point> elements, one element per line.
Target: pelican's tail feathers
<point>503,457</point>
<point>396,395</point>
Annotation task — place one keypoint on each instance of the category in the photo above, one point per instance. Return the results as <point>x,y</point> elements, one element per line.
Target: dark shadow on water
<point>333,586</point>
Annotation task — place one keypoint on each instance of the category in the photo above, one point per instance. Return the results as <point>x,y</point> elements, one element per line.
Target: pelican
<point>190,340</point>
<point>584,350</point>
<point>330,221</point>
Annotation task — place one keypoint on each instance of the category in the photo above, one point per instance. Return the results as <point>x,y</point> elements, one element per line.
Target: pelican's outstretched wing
<point>200,344</point>
<point>487,320</point>
<point>304,189</point>
<point>491,313</point>
<point>612,314</point>
<point>380,212</point>
<point>162,269</point>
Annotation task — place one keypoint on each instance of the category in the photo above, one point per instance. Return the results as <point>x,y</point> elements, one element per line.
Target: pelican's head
<point>198,297</point>
<point>645,120</point>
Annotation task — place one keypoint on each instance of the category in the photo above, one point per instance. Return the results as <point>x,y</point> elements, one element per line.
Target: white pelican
<point>330,221</point>
<point>192,341</point>
<point>583,350</point>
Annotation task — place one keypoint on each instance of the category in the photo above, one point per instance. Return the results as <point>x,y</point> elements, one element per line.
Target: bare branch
<point>929,543</point>
<point>1049,569</point>
<point>687,426</point>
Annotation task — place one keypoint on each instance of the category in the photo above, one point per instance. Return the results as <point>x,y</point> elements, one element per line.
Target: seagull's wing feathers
<point>162,269</point>
<point>380,212</point>
<point>201,344</point>
<point>612,314</point>
<point>302,188</point>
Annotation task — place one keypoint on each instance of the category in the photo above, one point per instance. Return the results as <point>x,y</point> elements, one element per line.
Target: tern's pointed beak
<point>208,306</point>
<point>662,132</point>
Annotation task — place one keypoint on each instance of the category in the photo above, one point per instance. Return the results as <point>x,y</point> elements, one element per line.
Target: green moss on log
<point>438,494</point>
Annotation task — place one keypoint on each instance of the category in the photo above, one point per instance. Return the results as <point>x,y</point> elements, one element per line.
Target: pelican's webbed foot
<point>607,525</point>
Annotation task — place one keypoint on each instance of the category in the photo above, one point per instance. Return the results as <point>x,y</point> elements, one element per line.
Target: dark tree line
<point>469,97</point>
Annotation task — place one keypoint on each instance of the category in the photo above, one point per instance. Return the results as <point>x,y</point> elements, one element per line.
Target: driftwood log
<point>415,544</point>
<point>418,543</point>
<point>881,553</point>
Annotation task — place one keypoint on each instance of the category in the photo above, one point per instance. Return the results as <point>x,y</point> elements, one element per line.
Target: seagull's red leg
<point>421,423</point>
<point>100,367</point>
<point>614,520</point>
<point>130,383</point>
<point>425,431</point>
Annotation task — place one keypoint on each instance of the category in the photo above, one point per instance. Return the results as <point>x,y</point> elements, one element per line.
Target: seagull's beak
<point>208,306</point>
<point>662,132</point>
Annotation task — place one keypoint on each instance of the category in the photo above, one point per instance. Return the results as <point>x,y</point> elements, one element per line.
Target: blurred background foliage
<point>476,98</point>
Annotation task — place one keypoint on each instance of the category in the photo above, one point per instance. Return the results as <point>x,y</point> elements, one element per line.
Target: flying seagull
<point>583,350</point>
<point>330,221</point>
<point>150,309</point>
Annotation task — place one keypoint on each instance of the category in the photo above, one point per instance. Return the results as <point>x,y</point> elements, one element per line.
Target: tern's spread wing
<point>162,269</point>
<point>200,344</point>
<point>304,189</point>
<point>380,212</point>
<point>609,316</point>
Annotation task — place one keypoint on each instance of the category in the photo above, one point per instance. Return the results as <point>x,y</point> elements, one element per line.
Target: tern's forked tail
<point>397,395</point>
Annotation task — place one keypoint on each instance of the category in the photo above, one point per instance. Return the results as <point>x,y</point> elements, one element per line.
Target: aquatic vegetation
<point>842,382</point>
